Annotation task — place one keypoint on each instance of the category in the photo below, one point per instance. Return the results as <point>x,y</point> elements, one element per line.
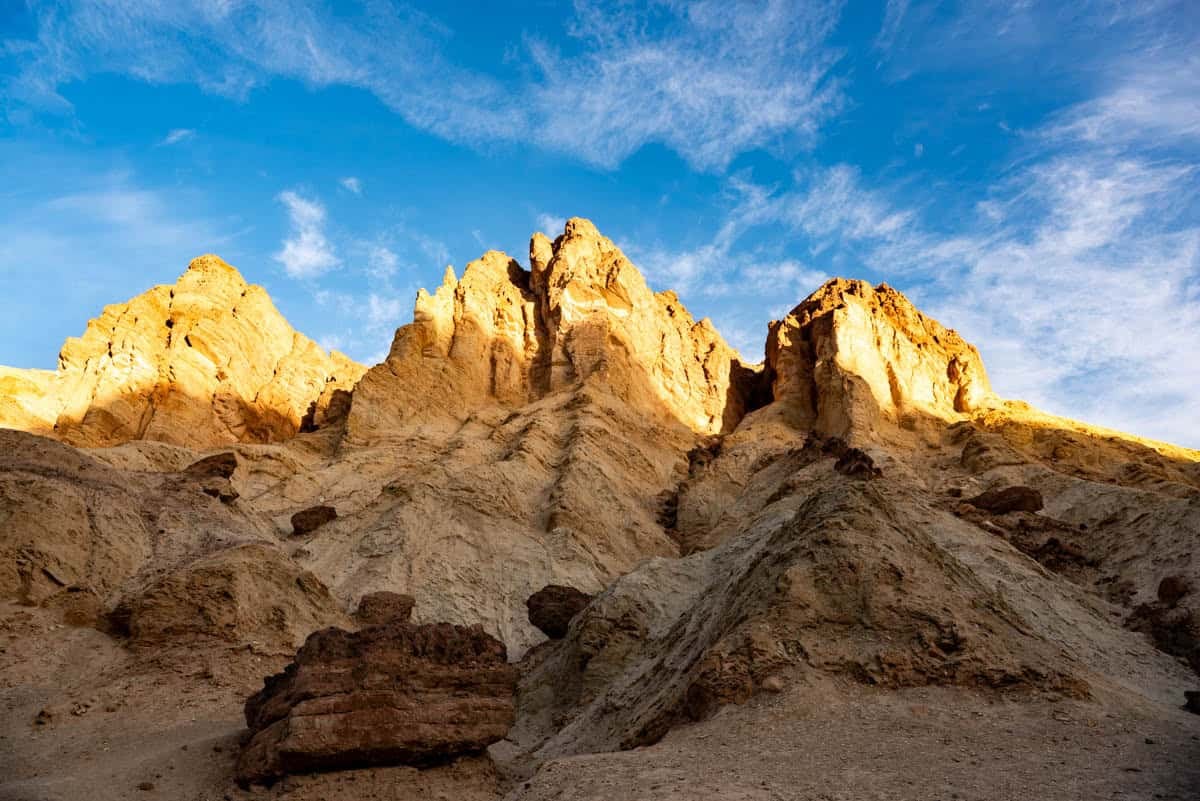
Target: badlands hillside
<point>563,544</point>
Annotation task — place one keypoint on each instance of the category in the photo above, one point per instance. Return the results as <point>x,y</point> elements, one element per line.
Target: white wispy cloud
<point>708,79</point>
<point>306,252</point>
<point>712,80</point>
<point>382,263</point>
<point>1159,100</point>
<point>177,135</point>
<point>1079,276</point>
<point>352,184</point>
<point>551,224</point>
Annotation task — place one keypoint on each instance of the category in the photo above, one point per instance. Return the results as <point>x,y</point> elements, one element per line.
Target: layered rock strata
<point>391,694</point>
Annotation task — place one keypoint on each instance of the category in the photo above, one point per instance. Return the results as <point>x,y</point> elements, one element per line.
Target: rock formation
<point>503,336</point>
<point>245,593</point>
<point>852,355</point>
<point>206,361</point>
<point>390,694</point>
<point>855,542</point>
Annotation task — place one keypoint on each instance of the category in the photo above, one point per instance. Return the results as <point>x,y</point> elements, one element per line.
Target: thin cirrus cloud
<point>1079,278</point>
<point>177,135</point>
<point>351,184</point>
<point>306,252</point>
<point>712,81</point>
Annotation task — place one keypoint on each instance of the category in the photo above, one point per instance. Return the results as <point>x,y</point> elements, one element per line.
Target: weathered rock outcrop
<point>834,576</point>
<point>66,520</point>
<point>552,607</point>
<point>504,336</point>
<point>852,355</point>
<point>206,361</point>
<point>394,694</point>
<point>247,593</point>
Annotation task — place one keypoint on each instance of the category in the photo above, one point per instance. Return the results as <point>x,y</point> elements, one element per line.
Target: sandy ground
<point>115,726</point>
<point>925,745</point>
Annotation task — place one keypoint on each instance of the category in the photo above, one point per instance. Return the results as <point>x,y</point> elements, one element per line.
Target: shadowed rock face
<point>552,607</point>
<point>219,465</point>
<point>387,695</point>
<point>248,592</point>
<point>1009,499</point>
<point>204,362</point>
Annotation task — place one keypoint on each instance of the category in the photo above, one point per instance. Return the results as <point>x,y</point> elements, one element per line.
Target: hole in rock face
<point>187,341</point>
<point>170,323</point>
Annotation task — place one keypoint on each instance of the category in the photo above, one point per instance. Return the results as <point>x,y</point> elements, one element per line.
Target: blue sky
<point>1027,172</point>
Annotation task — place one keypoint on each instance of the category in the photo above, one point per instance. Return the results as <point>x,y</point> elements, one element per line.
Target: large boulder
<point>395,694</point>
<point>219,465</point>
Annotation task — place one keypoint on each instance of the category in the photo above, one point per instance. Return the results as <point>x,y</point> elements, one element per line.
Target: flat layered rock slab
<point>394,694</point>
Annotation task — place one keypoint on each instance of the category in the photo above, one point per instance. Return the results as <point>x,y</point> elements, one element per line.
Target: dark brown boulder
<point>312,518</point>
<point>1009,499</point>
<point>394,694</point>
<point>219,465</point>
<point>552,607</point>
<point>376,608</point>
<point>1172,589</point>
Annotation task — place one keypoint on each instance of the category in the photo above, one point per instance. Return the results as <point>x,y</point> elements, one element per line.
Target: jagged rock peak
<point>852,355</point>
<point>208,360</point>
<point>503,335</point>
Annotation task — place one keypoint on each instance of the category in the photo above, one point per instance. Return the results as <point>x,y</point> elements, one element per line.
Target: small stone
<point>312,518</point>
<point>773,684</point>
<point>146,786</point>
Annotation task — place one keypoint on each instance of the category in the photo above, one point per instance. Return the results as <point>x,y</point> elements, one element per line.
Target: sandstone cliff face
<point>565,426</point>
<point>852,355</point>
<point>206,361</point>
<point>503,336</point>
